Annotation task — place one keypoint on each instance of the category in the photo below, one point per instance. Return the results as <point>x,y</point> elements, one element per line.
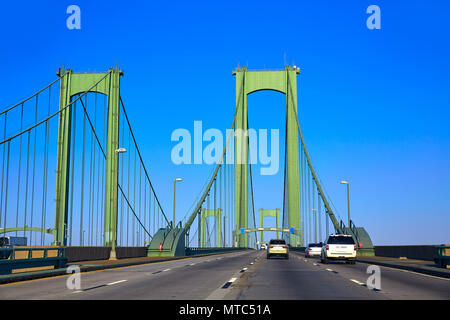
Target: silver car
<point>313,250</point>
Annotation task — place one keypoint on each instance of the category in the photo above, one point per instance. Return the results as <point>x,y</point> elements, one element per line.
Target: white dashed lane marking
<point>116,282</point>
<point>358,282</point>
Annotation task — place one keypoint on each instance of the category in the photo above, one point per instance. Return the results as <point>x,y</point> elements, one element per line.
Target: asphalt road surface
<point>234,276</point>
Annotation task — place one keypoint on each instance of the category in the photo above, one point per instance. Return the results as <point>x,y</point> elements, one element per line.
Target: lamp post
<point>348,199</point>
<point>174,188</point>
<point>314,212</point>
<point>112,255</point>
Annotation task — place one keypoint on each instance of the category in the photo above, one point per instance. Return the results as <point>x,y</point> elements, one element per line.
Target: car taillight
<point>327,247</point>
<point>270,247</point>
<point>354,247</point>
<point>284,247</point>
<point>309,249</point>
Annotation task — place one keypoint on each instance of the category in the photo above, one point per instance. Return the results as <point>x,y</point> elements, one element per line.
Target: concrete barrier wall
<point>131,252</point>
<point>410,252</point>
<point>102,253</point>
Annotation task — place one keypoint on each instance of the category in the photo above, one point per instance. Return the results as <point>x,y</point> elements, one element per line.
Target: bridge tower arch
<point>284,81</point>
<point>268,213</point>
<point>71,84</point>
<point>217,214</point>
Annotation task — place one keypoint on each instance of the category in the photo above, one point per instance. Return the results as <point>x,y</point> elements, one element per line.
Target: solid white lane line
<point>328,269</point>
<point>166,270</point>
<point>116,282</point>
<point>358,282</point>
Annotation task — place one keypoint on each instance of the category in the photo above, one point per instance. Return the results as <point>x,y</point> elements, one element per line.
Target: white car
<point>313,250</point>
<point>339,247</point>
<point>263,246</point>
<point>277,247</point>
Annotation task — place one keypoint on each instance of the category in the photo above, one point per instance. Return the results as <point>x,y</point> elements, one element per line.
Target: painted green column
<point>112,170</point>
<point>63,161</point>
<point>293,176</point>
<point>241,165</point>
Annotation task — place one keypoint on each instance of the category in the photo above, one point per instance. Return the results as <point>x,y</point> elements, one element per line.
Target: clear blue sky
<point>374,105</point>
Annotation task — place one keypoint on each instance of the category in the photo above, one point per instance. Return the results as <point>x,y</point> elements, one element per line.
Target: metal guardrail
<point>9,260</point>
<point>441,258</point>
<point>196,251</point>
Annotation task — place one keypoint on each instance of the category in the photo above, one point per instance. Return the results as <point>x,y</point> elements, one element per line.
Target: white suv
<point>339,247</point>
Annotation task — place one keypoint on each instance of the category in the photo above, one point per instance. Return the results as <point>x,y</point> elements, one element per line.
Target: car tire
<point>324,260</point>
<point>268,257</point>
<point>287,257</point>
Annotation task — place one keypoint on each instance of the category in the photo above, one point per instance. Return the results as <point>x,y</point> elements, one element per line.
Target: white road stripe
<point>358,282</point>
<point>116,282</point>
<point>232,280</point>
<point>166,270</point>
<point>329,269</point>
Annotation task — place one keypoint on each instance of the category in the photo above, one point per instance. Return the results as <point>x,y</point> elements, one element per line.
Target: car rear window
<point>314,245</point>
<point>340,240</point>
<point>277,242</point>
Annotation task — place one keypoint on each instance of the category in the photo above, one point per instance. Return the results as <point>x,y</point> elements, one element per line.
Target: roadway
<point>235,276</point>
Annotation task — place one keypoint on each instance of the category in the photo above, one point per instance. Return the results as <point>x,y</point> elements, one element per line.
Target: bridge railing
<point>35,257</point>
<point>197,251</point>
<point>442,255</point>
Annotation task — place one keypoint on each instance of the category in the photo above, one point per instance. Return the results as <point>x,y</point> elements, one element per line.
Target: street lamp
<point>112,255</point>
<point>314,211</point>
<point>174,188</point>
<point>348,199</point>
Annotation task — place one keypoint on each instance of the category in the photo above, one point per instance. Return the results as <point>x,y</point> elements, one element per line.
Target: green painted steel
<point>207,251</point>
<point>72,84</point>
<point>63,161</point>
<point>283,81</point>
<point>442,255</point>
<point>112,161</point>
<point>26,228</point>
<point>217,214</point>
<point>9,261</point>
<point>285,230</point>
<point>268,213</point>
<point>168,242</point>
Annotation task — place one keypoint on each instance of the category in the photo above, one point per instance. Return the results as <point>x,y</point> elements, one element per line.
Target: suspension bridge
<point>72,174</point>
